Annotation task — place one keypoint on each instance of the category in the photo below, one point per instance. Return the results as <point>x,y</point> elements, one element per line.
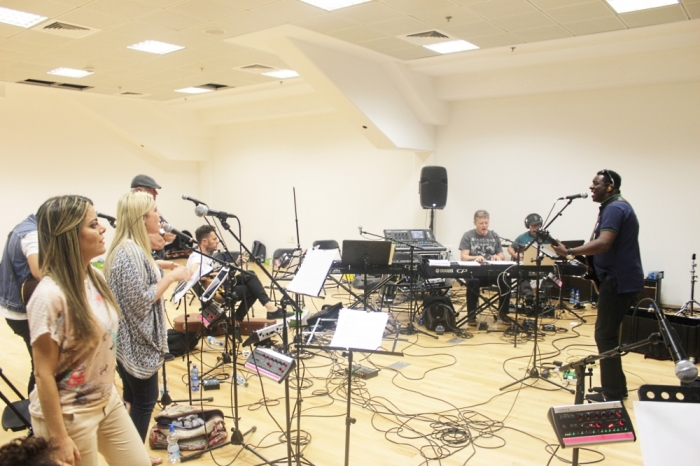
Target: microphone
<point>196,201</point>
<point>183,236</point>
<point>360,228</point>
<point>686,371</point>
<point>574,196</point>
<point>112,221</point>
<point>202,210</point>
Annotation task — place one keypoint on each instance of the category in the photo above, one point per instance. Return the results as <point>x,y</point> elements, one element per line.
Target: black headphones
<point>533,219</point>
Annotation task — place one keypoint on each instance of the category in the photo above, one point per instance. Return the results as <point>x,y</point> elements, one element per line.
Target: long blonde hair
<point>131,211</point>
<point>59,221</point>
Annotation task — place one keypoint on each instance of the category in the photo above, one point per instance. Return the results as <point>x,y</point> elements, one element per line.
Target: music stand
<point>362,253</point>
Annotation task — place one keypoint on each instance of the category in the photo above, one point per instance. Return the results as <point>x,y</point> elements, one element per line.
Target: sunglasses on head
<point>606,174</point>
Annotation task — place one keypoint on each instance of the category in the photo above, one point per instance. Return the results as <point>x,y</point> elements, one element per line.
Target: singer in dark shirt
<point>617,260</point>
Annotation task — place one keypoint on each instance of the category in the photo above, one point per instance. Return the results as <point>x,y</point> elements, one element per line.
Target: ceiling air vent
<point>74,31</point>
<point>131,94</point>
<point>74,87</point>
<point>256,68</point>
<point>39,82</point>
<point>427,37</point>
<point>213,86</point>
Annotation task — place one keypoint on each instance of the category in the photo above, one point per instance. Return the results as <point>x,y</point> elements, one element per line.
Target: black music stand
<point>363,254</point>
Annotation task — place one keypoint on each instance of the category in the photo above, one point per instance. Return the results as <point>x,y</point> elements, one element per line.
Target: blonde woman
<point>138,286</point>
<point>73,320</point>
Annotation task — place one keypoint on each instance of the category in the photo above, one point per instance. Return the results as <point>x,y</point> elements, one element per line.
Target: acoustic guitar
<point>28,288</point>
<point>586,260</point>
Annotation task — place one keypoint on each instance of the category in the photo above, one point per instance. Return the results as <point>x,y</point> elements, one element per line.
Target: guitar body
<point>587,260</point>
<point>28,288</point>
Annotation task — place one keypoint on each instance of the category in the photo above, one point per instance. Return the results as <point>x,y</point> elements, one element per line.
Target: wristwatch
<point>569,254</point>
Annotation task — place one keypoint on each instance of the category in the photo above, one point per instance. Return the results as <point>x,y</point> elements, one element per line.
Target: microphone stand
<point>581,364</point>
<point>412,310</point>
<point>688,306</point>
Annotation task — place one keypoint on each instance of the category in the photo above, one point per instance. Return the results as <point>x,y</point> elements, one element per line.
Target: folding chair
<point>15,416</point>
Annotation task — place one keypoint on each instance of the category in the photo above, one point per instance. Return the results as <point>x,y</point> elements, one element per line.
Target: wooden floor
<point>445,406</point>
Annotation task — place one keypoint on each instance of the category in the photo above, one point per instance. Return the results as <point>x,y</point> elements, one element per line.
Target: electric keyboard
<point>338,267</point>
<point>454,270</point>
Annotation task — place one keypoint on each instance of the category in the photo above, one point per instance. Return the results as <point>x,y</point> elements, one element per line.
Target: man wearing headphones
<point>618,266</point>
<point>533,222</point>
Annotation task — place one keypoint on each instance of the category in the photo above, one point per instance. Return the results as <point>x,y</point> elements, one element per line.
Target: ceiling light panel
<point>625,6</point>
<point>451,46</point>
<point>331,5</point>
<point>71,72</point>
<point>282,74</point>
<point>193,90</point>
<point>19,18</point>
<point>154,46</point>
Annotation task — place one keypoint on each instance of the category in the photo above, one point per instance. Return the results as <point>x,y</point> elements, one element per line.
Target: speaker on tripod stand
<point>433,189</point>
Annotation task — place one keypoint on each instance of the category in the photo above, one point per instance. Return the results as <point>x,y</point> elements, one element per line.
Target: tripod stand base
<point>535,374</point>
<point>411,329</point>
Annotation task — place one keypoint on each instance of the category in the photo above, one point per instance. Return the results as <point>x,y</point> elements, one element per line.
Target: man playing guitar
<point>618,267</point>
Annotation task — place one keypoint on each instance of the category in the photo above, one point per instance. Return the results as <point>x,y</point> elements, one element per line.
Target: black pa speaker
<point>433,187</point>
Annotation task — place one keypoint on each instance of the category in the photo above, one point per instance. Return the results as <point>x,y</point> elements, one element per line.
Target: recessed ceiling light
<point>153,46</point>
<point>282,74</point>
<point>193,90</point>
<point>451,46</point>
<point>71,72</point>
<point>19,18</point>
<point>330,5</point>
<point>625,6</point>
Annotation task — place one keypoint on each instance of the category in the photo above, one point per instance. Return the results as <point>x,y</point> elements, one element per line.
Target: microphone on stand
<point>183,236</point>
<point>196,201</point>
<point>574,196</point>
<point>686,371</point>
<point>202,210</point>
<point>360,228</point>
<point>112,221</point>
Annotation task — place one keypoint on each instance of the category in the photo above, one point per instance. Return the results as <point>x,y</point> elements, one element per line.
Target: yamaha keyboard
<point>454,270</point>
<point>338,267</point>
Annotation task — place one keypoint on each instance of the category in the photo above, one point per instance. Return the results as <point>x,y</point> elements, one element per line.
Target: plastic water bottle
<point>651,308</point>
<point>214,342</point>
<point>240,380</point>
<point>173,447</point>
<point>194,382</point>
<point>572,296</point>
<point>577,298</point>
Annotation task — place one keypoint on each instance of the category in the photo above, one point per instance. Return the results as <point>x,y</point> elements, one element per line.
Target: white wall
<point>514,156</point>
<point>341,181</point>
<point>48,148</point>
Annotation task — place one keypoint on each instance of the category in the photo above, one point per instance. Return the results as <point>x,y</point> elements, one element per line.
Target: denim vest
<point>13,258</point>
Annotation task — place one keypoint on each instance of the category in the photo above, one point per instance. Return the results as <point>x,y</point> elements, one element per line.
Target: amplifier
<point>270,363</point>
<point>591,424</point>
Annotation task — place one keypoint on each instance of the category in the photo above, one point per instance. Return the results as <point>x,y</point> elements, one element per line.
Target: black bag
<point>327,312</point>
<point>259,251</point>
<point>181,343</point>
<point>438,310</point>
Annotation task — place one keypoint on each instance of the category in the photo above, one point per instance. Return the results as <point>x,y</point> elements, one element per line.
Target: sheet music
<point>439,262</point>
<point>199,273</point>
<point>313,272</point>
<point>359,329</point>
<point>468,263</point>
<point>500,262</point>
<point>665,427</point>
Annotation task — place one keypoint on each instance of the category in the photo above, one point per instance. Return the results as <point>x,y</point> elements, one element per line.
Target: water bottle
<point>240,380</point>
<point>577,299</point>
<point>651,308</point>
<point>173,447</point>
<point>194,382</point>
<point>572,296</point>
<point>214,342</point>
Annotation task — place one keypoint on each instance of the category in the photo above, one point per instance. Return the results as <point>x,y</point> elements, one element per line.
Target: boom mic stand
<point>412,308</point>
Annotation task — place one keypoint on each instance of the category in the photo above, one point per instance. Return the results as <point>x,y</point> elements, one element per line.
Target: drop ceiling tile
<point>387,44</point>
<point>134,31</point>
<point>413,53</point>
<point>7,30</point>
<point>240,23</point>
<point>17,45</point>
<point>325,23</point>
<point>42,39</point>
<point>501,8</point>
<point>13,55</point>
<point>550,4</point>
<point>289,10</point>
<point>438,18</point>
<point>205,9</point>
<point>368,13</point>
<point>595,26</point>
<point>155,3</point>
<point>693,10</point>
<point>532,20</point>
<point>358,34</point>
<point>91,19</point>
<point>544,33</point>
<point>497,40</point>
<point>400,26</point>
<point>171,20</point>
<point>120,8</point>
<point>581,12</point>
<point>667,14</point>
<point>415,6</point>
<point>468,31</point>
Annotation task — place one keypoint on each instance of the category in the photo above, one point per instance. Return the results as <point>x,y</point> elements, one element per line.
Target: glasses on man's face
<point>606,174</point>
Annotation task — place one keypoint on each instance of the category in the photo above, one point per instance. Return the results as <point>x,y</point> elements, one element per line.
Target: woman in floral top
<point>73,319</point>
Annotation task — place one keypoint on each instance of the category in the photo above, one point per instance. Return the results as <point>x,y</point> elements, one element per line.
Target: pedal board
<point>363,372</point>
<point>270,363</point>
<point>591,424</point>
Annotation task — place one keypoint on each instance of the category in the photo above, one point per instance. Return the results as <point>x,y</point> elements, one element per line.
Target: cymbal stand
<point>688,306</point>
<point>411,328</point>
